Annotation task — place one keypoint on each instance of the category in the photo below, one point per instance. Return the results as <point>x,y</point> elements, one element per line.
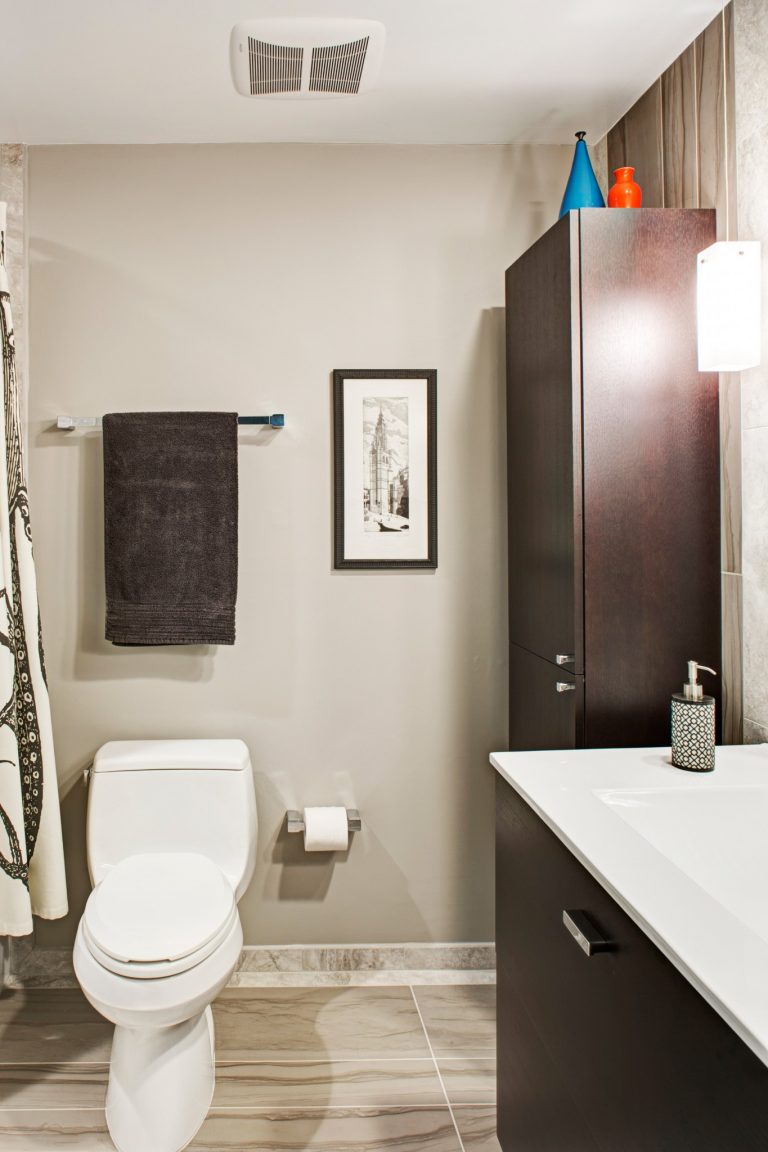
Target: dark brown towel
<point>170,527</point>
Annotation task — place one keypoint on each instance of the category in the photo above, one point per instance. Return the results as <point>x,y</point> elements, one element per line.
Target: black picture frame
<point>374,549</point>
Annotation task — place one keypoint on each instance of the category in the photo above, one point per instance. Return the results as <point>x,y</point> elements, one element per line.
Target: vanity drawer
<point>647,1064</point>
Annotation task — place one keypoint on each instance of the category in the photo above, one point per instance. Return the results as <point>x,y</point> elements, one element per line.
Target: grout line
<point>405,1105</point>
<point>351,1106</point>
<point>62,1065</point>
<point>484,1104</point>
<point>50,1107</point>
<point>376,1060</point>
<point>438,1072</point>
<point>477,1054</point>
<point>268,1108</point>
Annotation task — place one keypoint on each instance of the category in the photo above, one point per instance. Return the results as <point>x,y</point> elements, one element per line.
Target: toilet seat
<point>158,914</point>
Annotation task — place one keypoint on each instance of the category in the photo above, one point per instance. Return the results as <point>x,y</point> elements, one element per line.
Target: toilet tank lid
<point>163,755</point>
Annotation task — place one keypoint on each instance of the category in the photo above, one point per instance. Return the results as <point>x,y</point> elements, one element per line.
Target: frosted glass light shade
<point>728,300</point>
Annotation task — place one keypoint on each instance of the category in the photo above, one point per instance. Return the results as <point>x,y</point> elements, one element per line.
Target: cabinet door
<point>652,1067</point>
<point>544,447</point>
<point>535,1107</point>
<point>651,471</point>
<point>546,704</point>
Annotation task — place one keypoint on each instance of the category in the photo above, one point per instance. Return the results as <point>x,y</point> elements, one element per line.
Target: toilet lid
<point>159,906</point>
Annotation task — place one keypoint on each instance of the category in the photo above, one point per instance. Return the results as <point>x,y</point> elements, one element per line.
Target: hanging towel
<point>170,527</point>
<point>31,855</point>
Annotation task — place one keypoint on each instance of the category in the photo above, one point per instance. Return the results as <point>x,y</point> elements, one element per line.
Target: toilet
<point>171,839</point>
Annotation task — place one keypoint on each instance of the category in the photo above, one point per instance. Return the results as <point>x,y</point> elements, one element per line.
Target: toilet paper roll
<point>326,830</point>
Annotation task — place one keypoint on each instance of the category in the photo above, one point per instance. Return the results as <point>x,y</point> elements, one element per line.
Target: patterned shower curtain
<point>31,855</point>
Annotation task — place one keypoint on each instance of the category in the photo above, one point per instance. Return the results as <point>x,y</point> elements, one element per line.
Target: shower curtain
<point>31,854</point>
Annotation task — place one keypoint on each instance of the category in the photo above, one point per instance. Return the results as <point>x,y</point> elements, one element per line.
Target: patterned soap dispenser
<point>693,724</point>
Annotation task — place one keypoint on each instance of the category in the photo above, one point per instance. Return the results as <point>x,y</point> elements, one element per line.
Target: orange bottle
<point>625,193</point>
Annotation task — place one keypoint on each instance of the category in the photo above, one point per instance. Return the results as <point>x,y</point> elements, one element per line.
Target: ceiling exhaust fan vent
<point>305,59</point>
<point>339,67</point>
<point>273,68</point>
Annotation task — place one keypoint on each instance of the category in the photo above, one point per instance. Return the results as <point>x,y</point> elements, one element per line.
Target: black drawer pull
<point>584,932</point>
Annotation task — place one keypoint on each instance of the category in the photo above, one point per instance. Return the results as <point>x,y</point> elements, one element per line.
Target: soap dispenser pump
<point>693,724</point>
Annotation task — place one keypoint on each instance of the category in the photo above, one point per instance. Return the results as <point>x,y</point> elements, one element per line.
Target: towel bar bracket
<point>295,820</point>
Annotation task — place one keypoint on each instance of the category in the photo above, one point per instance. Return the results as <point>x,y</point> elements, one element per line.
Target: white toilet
<point>171,849</point>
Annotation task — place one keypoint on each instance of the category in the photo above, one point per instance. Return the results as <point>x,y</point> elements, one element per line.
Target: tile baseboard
<point>367,957</point>
<point>296,965</point>
<point>374,977</point>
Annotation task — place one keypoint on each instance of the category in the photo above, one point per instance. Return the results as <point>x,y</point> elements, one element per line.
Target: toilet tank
<point>173,796</point>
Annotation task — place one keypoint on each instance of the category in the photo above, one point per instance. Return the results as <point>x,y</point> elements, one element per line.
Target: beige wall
<point>239,277</point>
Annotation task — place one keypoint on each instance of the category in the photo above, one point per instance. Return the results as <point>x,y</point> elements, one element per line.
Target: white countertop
<point>701,895</point>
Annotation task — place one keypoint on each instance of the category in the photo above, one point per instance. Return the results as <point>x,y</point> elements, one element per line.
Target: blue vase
<point>582,189</point>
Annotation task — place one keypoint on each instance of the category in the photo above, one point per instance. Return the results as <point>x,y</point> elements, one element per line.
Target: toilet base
<point>160,1084</point>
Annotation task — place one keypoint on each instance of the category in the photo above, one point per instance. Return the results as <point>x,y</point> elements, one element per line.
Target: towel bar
<point>69,423</point>
<point>295,820</point>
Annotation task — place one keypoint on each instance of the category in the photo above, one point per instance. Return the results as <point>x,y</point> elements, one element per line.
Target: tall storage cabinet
<point>613,479</point>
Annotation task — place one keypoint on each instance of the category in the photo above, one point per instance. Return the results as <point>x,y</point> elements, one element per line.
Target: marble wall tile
<point>750,36</point>
<point>753,225</point>
<point>730,470</point>
<point>52,1025</point>
<point>460,1021</point>
<point>478,1129</point>
<point>637,140</point>
<point>367,957</point>
<point>755,586</point>
<point>5,962</point>
<point>599,153</point>
<point>732,666</point>
<point>397,1130</point>
<point>329,1023</point>
<point>13,190</point>
<point>469,1080</point>
<point>678,132</point>
<point>754,733</point>
<point>35,967</point>
<point>372,978</point>
<point>328,1084</point>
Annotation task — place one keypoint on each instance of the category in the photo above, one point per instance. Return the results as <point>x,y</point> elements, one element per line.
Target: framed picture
<point>385,468</point>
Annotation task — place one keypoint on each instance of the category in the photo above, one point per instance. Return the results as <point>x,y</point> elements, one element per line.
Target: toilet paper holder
<point>295,820</point>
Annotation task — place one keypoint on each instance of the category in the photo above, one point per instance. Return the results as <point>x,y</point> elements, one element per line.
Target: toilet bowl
<point>161,935</point>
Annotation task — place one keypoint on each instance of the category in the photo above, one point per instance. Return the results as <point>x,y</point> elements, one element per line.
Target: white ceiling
<point>454,71</point>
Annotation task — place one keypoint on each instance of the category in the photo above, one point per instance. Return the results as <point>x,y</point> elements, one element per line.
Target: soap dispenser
<point>693,724</point>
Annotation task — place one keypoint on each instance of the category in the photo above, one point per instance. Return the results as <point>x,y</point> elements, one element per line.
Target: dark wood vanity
<point>613,1052</point>
<point>614,583</point>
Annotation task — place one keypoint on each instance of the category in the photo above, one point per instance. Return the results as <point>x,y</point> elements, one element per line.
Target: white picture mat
<point>362,545</point>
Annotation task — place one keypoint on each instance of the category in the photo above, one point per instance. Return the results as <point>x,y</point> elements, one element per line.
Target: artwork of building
<point>380,469</point>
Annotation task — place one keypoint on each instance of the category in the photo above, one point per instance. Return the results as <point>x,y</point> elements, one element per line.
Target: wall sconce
<point>728,300</point>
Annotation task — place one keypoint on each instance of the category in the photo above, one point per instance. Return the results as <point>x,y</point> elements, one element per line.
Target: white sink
<point>716,834</point>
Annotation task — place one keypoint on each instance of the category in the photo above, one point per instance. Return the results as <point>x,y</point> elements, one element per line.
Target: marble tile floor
<point>299,1069</point>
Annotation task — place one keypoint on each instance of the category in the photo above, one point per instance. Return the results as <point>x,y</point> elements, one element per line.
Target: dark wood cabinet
<point>612,1051</point>
<point>613,473</point>
<point>549,702</point>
